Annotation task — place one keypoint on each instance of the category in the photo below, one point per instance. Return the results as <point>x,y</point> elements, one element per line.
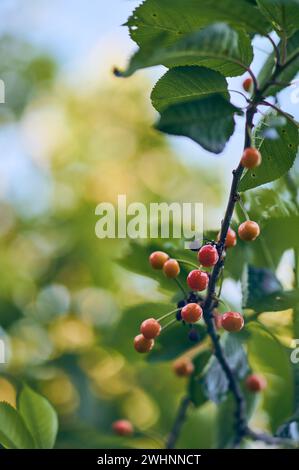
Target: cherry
<point>123,427</point>
<point>231,238</point>
<point>157,259</point>
<point>232,321</point>
<point>171,268</point>
<point>191,313</point>
<point>249,230</point>
<point>142,344</point>
<point>198,280</point>
<point>183,367</point>
<point>217,319</point>
<point>255,383</point>
<point>251,158</point>
<point>193,336</point>
<point>247,84</point>
<point>208,256</point>
<point>150,328</point>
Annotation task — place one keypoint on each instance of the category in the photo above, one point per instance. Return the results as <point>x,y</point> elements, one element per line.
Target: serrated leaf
<point>174,18</point>
<point>182,84</point>
<point>258,286</point>
<point>283,14</point>
<point>209,121</point>
<point>39,417</point>
<point>174,341</point>
<point>217,47</point>
<point>13,431</point>
<point>287,75</point>
<point>215,383</point>
<point>268,357</point>
<point>278,155</point>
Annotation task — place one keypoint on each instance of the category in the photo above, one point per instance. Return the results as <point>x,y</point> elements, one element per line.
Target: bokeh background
<point>71,136</point>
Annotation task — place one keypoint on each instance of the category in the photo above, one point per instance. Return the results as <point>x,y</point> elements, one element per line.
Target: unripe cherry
<point>208,256</point>
<point>123,427</point>
<point>249,230</point>
<point>255,383</point>
<point>232,321</point>
<point>231,238</point>
<point>191,313</point>
<point>198,280</point>
<point>157,259</point>
<point>183,367</point>
<point>142,344</point>
<point>150,328</point>
<point>247,84</point>
<point>171,268</point>
<point>251,158</point>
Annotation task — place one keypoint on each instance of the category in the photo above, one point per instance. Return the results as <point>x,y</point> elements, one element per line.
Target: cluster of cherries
<point>198,280</point>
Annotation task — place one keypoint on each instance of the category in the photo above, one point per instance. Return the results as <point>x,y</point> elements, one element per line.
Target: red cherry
<point>251,158</point>
<point>123,427</point>
<point>171,268</point>
<point>157,259</point>
<point>142,344</point>
<point>249,231</point>
<point>232,321</point>
<point>183,367</point>
<point>191,313</point>
<point>247,84</point>
<point>208,256</point>
<point>150,328</point>
<point>198,280</point>
<point>255,383</point>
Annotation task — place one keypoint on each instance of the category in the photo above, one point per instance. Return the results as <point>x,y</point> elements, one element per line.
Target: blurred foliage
<point>65,302</point>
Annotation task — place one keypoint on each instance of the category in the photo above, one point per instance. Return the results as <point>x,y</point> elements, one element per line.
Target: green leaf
<point>278,154</point>
<point>283,14</point>
<point>13,431</point>
<point>39,417</point>
<point>209,121</point>
<point>268,357</point>
<point>217,47</point>
<point>214,381</point>
<point>226,420</point>
<point>258,286</point>
<point>174,341</point>
<point>287,75</point>
<point>196,392</point>
<point>182,84</point>
<point>170,19</point>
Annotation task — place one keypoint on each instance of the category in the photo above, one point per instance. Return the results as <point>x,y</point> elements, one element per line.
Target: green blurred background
<point>72,136</point>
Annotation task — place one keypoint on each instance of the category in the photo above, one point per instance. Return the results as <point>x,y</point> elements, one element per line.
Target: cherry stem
<point>188,263</point>
<point>168,314</point>
<point>241,204</point>
<point>181,287</point>
<point>172,322</point>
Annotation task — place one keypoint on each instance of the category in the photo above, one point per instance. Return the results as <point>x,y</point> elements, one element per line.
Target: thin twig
<point>179,421</point>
